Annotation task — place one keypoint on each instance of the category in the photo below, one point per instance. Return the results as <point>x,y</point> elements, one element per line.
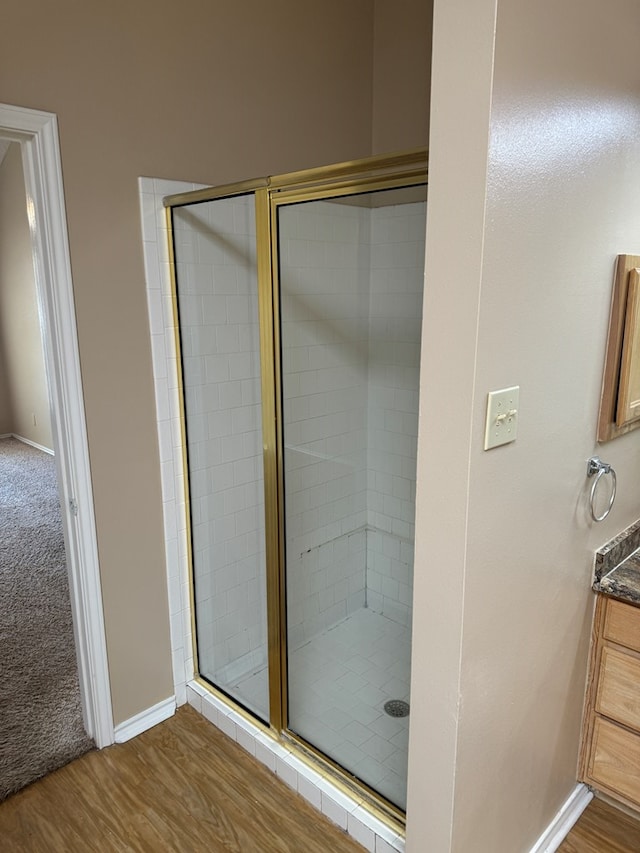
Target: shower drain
<point>396,708</point>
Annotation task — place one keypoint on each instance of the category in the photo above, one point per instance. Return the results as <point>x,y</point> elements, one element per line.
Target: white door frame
<point>37,133</point>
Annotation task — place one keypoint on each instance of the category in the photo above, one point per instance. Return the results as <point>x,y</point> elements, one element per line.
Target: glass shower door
<point>298,303</point>
<point>217,304</point>
<point>350,275</point>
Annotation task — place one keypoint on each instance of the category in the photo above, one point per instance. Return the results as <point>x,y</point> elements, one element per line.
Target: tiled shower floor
<point>338,684</point>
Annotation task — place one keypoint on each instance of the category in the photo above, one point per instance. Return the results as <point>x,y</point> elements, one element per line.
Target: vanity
<point>610,748</point>
<point>610,754</point>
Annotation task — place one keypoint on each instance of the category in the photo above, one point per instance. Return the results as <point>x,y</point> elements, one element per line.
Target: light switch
<point>502,417</point>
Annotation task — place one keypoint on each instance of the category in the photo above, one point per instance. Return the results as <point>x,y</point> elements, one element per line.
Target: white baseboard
<point>134,726</point>
<point>559,828</point>
<point>32,443</point>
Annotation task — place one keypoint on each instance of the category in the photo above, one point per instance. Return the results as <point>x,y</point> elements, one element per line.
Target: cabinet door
<point>619,687</point>
<point>622,624</point>
<point>615,759</point>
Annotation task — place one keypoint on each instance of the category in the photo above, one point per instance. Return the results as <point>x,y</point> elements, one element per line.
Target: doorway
<point>37,134</point>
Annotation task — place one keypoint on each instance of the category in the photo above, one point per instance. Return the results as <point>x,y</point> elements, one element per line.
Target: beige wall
<point>534,167</point>
<point>21,354</point>
<point>401,74</point>
<point>203,91</point>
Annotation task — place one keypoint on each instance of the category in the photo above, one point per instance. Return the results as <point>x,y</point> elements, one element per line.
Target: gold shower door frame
<point>351,178</point>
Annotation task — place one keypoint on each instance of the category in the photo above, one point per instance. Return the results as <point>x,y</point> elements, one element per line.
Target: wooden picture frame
<point>620,399</point>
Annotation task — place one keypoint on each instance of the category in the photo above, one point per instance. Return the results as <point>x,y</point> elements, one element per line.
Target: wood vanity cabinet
<point>610,755</point>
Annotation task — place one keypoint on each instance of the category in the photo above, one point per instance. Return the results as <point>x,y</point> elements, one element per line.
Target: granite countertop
<point>617,566</point>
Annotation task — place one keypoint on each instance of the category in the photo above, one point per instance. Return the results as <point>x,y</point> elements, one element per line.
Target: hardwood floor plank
<point>182,786</point>
<point>603,829</point>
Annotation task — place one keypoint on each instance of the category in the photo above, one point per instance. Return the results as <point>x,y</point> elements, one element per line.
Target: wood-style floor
<point>182,786</point>
<point>603,829</point>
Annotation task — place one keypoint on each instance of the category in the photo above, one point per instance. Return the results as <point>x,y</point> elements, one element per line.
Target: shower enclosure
<point>298,305</point>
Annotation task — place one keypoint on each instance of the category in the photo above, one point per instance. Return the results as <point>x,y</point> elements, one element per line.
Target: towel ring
<point>597,468</point>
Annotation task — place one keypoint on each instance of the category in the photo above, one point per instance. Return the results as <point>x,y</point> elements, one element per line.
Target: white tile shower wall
<point>217,276</point>
<point>162,328</point>
<point>324,283</point>
<point>352,282</point>
<point>395,318</point>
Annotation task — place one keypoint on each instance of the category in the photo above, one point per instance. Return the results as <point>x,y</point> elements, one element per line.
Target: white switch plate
<point>502,417</point>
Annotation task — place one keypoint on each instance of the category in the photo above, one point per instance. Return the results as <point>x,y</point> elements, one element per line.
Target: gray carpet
<point>41,725</point>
